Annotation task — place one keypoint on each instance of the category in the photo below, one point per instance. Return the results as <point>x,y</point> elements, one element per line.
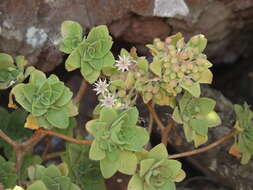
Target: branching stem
<point>206,148</point>
<point>52,133</point>
<point>80,92</point>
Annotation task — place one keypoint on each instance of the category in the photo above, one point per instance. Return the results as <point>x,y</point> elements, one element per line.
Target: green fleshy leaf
<point>169,186</point>
<point>145,165</point>
<point>92,76</point>
<point>58,118</point>
<point>246,156</point>
<point>37,78</point>
<point>97,33</point>
<point>96,153</point>
<point>158,152</point>
<point>200,126</point>
<point>95,128</point>
<point>206,105</point>
<point>18,92</point>
<point>108,168</point>
<point>135,137</point>
<point>142,64</point>
<point>199,139</point>
<point>193,90</point>
<point>132,116</point>
<point>127,163</point>
<point>108,115</point>
<point>65,98</point>
<point>156,67</point>
<point>135,183</point>
<point>38,185</point>
<point>213,119</point>
<point>6,61</point>
<point>71,29</point>
<point>206,77</point>
<point>73,61</point>
<point>188,133</point>
<point>176,116</point>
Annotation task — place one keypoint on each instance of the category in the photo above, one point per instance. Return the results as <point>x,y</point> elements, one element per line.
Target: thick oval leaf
<point>108,168</point>
<point>71,29</point>
<point>127,162</point>
<point>135,183</point>
<point>96,153</point>
<point>158,152</point>
<point>58,118</point>
<point>73,61</point>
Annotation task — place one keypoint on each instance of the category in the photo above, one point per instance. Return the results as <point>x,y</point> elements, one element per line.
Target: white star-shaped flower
<point>108,101</point>
<point>101,87</point>
<point>124,62</point>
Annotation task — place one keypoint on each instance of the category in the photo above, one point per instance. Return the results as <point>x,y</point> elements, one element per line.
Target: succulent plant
<point>47,99</point>
<point>116,138</point>
<point>10,73</point>
<point>196,115</point>
<point>244,140</point>
<point>49,178</point>
<point>156,171</point>
<point>91,54</point>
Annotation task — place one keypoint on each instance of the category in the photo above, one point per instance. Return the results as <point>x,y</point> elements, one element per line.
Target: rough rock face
<point>32,28</point>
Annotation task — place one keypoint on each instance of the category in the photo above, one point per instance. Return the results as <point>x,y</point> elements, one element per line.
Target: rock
<point>32,28</point>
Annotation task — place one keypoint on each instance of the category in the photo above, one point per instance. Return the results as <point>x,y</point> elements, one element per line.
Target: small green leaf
<point>38,185</point>
<point>206,105</point>
<point>156,67</point>
<point>97,33</point>
<point>193,90</point>
<point>213,119</point>
<point>96,153</point>
<point>200,126</point>
<point>58,118</point>
<point>135,183</point>
<point>145,165</point>
<point>158,152</point>
<point>206,77</point>
<point>127,162</point>
<point>6,61</point>
<point>73,61</point>
<point>108,168</point>
<point>176,116</point>
<point>71,29</point>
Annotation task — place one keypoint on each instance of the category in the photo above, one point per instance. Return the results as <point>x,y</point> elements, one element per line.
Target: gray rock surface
<point>32,28</point>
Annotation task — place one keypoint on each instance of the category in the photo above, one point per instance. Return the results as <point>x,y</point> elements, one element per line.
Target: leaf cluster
<point>11,73</point>
<point>47,99</point>
<point>91,54</point>
<point>196,115</point>
<point>156,171</point>
<point>244,139</point>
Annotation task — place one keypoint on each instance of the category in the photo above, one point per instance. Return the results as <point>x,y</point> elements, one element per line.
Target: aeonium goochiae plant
<point>117,142</point>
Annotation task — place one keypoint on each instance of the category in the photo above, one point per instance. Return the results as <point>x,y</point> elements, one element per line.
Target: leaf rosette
<point>156,171</point>
<point>47,99</point>
<point>92,54</point>
<point>116,138</point>
<point>196,115</point>
<point>11,73</point>
<point>244,140</point>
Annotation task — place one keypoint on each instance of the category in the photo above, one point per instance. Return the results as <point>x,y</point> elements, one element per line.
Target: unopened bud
<point>174,60</point>
<point>173,75</point>
<point>178,89</point>
<point>168,40</point>
<point>121,93</point>
<point>184,55</point>
<point>175,68</point>
<point>173,83</point>
<point>180,75</point>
